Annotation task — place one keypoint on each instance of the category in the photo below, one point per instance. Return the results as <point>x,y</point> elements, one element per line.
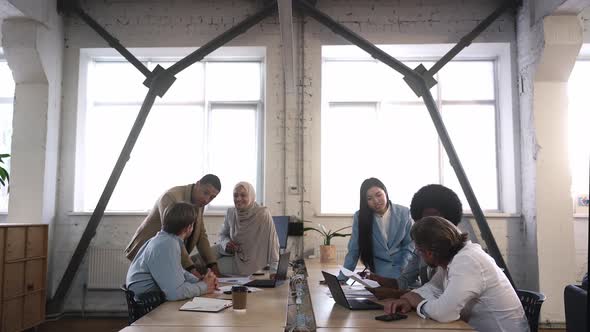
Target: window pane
<point>348,145</point>
<point>472,131</point>
<point>188,86</point>
<point>6,81</point>
<point>168,153</point>
<point>467,80</point>
<point>352,81</point>
<point>239,81</point>
<point>115,82</point>
<point>5,144</point>
<point>579,117</point>
<point>409,151</point>
<point>233,148</point>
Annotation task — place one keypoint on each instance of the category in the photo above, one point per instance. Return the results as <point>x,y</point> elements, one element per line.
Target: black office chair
<point>531,303</point>
<point>576,308</point>
<point>145,303</point>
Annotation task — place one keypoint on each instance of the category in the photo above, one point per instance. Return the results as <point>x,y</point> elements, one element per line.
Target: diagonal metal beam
<point>111,40</point>
<point>159,82</point>
<point>286,24</point>
<point>420,84</point>
<point>357,40</point>
<point>222,39</point>
<point>56,303</point>
<point>468,38</point>
<point>480,218</point>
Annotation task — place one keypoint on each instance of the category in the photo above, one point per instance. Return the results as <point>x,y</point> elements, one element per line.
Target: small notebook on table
<point>205,304</point>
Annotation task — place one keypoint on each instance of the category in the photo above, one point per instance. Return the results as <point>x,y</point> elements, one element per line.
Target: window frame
<point>6,101</point>
<point>224,54</point>
<point>507,131</point>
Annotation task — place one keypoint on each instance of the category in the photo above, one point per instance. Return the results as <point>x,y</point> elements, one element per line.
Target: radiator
<point>107,268</point>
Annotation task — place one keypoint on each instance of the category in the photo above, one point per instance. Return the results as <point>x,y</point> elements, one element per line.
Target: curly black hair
<point>441,198</point>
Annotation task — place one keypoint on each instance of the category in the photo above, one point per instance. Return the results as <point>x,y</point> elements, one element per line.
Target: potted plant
<point>4,178</point>
<point>327,250</point>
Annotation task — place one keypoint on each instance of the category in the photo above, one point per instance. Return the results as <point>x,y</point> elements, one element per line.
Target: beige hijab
<point>253,229</point>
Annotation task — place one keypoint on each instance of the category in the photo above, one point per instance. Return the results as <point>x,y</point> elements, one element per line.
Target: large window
<point>373,125</point>
<point>6,106</point>
<point>579,117</point>
<point>208,122</point>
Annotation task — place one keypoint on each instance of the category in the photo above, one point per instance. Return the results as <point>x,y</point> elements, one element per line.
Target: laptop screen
<point>283,267</point>
<point>282,228</point>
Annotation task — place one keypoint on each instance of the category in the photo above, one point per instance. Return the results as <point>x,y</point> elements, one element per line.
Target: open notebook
<point>206,304</point>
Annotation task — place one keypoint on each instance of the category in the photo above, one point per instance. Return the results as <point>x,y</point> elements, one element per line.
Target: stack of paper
<point>354,276</point>
<point>206,304</point>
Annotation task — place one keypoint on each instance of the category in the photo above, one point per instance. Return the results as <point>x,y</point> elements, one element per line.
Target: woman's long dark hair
<point>366,222</point>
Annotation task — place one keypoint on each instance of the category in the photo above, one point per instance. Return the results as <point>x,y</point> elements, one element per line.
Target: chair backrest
<point>282,228</point>
<point>531,303</point>
<point>144,303</point>
<point>576,308</point>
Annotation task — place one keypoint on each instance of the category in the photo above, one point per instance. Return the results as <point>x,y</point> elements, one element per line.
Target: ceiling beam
<point>287,37</point>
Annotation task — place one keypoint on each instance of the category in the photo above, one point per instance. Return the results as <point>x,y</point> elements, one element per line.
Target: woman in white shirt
<point>468,285</point>
<point>248,240</point>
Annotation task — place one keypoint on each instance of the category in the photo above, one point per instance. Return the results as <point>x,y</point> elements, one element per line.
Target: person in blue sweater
<point>157,263</point>
<point>380,233</point>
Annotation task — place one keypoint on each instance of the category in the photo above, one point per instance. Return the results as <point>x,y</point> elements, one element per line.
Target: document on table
<point>235,280</point>
<point>206,304</point>
<point>354,276</point>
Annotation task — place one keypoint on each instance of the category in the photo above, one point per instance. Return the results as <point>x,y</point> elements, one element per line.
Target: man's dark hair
<point>439,236</point>
<point>211,179</point>
<point>441,198</point>
<point>178,216</point>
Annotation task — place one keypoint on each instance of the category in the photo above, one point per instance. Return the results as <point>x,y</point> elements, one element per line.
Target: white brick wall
<point>192,23</point>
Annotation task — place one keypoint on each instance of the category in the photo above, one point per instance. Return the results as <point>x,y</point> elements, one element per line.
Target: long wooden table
<point>267,312</point>
<point>331,317</point>
<point>266,308</point>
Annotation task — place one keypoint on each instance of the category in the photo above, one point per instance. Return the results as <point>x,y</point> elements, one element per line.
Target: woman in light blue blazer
<point>380,233</point>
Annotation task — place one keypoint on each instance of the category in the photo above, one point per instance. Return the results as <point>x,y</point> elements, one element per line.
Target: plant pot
<point>328,254</point>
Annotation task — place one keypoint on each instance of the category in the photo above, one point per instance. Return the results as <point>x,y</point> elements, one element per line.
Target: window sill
<point>212,213</point>
<point>490,215</point>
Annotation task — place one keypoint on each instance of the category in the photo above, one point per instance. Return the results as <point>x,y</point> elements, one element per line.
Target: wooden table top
<point>267,308</point>
<point>266,312</point>
<point>147,328</point>
<point>330,316</point>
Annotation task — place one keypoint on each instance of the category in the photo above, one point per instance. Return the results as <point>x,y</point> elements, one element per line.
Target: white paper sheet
<point>354,276</point>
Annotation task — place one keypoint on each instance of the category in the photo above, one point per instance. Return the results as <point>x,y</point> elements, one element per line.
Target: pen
<point>363,271</point>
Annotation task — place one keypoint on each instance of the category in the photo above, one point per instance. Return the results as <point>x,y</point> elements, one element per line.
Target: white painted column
<point>555,240</point>
<point>29,121</point>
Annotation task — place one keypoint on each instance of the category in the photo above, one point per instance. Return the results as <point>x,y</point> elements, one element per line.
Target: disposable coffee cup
<point>239,296</point>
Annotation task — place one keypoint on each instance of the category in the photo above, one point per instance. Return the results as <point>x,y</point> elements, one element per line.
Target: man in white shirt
<point>468,284</point>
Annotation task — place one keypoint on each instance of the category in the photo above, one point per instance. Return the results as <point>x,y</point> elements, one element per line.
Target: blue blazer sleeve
<point>352,256</point>
<point>407,245</point>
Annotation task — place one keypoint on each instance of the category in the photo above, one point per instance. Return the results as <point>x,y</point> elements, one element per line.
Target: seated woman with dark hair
<point>248,240</point>
<point>380,232</point>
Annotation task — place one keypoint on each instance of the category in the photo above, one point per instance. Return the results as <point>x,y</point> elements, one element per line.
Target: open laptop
<point>280,276</point>
<point>340,298</point>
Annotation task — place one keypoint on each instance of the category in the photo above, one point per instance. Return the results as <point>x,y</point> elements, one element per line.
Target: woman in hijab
<point>248,240</point>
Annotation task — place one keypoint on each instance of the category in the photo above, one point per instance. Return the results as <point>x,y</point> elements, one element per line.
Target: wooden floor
<point>112,325</point>
<point>86,325</point>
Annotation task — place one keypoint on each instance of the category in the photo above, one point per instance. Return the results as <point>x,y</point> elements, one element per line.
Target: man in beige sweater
<point>199,194</point>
